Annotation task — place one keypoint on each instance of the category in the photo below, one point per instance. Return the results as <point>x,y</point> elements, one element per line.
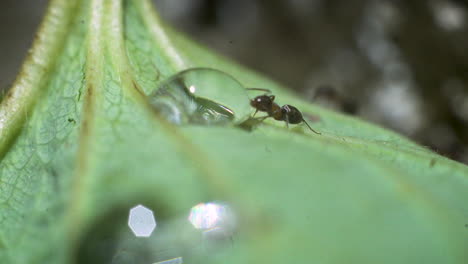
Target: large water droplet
<point>201,96</point>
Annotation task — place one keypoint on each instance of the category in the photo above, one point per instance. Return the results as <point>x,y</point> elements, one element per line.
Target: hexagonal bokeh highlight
<point>141,221</point>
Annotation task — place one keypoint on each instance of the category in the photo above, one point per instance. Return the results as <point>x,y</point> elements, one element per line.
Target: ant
<point>287,113</point>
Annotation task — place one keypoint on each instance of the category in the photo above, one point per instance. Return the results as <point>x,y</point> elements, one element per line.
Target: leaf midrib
<point>21,97</point>
<point>106,33</point>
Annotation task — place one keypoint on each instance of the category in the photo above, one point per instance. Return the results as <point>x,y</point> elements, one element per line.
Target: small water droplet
<point>145,234</point>
<point>201,96</point>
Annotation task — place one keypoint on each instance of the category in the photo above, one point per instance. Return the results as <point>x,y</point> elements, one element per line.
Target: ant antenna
<point>318,133</point>
<point>259,89</point>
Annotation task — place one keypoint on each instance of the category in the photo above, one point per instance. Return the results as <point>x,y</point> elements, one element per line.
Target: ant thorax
<point>275,112</point>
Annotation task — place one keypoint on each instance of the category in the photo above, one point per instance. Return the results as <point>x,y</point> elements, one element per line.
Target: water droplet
<point>201,96</point>
<point>145,234</point>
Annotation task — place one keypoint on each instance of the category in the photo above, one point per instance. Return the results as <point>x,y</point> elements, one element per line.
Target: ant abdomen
<point>291,114</point>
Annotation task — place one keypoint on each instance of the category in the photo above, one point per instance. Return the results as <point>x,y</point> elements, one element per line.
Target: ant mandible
<point>287,113</point>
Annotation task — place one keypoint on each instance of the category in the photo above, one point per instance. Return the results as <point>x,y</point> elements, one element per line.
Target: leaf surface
<point>80,145</point>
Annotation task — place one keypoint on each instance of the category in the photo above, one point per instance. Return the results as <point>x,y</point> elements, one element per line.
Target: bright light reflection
<point>141,221</point>
<point>192,89</point>
<point>208,215</point>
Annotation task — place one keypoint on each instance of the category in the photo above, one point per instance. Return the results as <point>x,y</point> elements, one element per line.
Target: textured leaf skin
<point>78,141</point>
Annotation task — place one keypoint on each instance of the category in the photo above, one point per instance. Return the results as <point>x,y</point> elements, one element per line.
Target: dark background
<point>402,64</point>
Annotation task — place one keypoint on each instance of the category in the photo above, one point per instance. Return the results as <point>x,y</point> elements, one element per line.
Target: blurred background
<point>401,64</point>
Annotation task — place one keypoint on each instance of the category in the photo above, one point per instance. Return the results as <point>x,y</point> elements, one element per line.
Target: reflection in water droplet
<point>201,96</point>
<point>141,221</point>
<point>176,240</point>
<point>217,222</point>
<point>171,261</point>
<point>210,215</point>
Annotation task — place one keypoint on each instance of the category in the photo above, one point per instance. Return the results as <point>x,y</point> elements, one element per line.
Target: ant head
<point>262,102</point>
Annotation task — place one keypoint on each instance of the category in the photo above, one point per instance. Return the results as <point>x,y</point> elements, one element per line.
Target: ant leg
<point>256,111</point>
<point>318,133</point>
<point>286,121</point>
<point>261,118</point>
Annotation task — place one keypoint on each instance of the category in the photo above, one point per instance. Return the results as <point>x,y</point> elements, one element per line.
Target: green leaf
<point>80,145</point>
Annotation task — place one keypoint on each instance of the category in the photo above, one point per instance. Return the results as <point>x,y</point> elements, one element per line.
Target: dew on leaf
<point>147,234</point>
<point>201,96</point>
